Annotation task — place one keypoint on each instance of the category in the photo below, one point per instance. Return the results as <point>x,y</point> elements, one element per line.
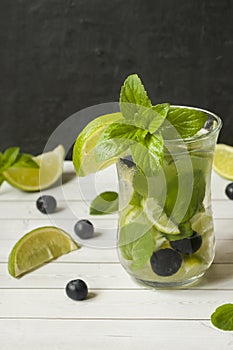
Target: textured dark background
<point>58,57</point>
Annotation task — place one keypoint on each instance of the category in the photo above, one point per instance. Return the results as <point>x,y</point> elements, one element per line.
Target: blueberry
<point>76,289</point>
<point>166,262</point>
<point>84,229</point>
<point>128,160</point>
<point>46,204</point>
<point>187,245</point>
<point>229,190</point>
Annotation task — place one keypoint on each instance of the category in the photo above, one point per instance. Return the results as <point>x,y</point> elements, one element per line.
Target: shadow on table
<point>220,274</point>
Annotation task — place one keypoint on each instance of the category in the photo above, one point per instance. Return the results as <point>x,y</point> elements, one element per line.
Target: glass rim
<point>198,137</point>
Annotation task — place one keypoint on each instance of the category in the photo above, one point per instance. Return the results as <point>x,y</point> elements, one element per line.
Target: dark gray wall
<point>58,57</point>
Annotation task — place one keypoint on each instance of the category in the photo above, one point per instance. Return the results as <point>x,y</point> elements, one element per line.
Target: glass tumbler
<point>165,231</point>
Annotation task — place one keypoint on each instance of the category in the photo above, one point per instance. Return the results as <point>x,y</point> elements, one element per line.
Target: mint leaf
<point>185,232</point>
<point>9,157</point>
<point>178,204</point>
<point>1,159</point>
<point>222,318</point>
<point>148,155</point>
<point>159,115</point>
<point>152,118</point>
<point>136,199</point>
<point>183,122</point>
<point>131,232</point>
<point>137,243</point>
<point>116,139</point>
<point>140,184</point>
<point>133,97</point>
<point>105,203</point>
<point>1,179</point>
<point>24,160</point>
<point>142,250</point>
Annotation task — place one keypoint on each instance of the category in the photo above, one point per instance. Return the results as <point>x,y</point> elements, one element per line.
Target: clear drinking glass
<point>165,231</point>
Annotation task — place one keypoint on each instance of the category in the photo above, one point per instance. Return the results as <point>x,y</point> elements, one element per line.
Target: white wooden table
<point>35,312</point>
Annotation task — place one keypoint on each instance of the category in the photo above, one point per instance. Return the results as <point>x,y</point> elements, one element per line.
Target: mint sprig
<point>146,148</point>
<point>12,158</point>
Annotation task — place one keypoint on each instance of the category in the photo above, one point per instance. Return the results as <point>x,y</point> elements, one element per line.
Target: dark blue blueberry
<point>166,262</point>
<point>187,245</point>
<point>46,204</point>
<point>77,289</point>
<point>128,160</point>
<point>84,229</point>
<point>229,190</point>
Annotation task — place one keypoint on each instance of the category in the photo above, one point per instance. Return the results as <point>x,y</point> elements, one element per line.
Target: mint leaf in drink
<point>116,139</point>
<point>133,97</point>
<point>140,184</point>
<point>137,243</point>
<point>183,122</point>
<point>136,199</point>
<point>148,155</point>
<point>24,160</point>
<point>222,318</point>
<point>142,250</point>
<point>105,203</point>
<point>134,230</point>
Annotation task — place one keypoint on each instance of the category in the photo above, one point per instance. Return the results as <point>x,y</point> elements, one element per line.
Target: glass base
<point>169,285</point>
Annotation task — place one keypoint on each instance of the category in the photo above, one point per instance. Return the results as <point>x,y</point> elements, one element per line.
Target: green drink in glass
<point>164,159</point>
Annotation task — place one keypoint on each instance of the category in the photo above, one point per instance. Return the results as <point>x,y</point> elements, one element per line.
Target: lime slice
<point>83,152</point>
<point>31,179</point>
<point>159,219</point>
<point>223,161</point>
<point>202,223</point>
<point>38,247</point>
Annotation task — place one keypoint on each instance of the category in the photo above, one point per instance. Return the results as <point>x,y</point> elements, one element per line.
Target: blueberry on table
<point>166,262</point>
<point>187,245</point>
<point>84,229</point>
<point>128,160</point>
<point>229,191</point>
<point>46,204</point>
<point>77,289</point>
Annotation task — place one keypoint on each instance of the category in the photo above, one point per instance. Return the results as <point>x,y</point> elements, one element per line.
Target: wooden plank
<point>103,276</point>
<point>14,229</point>
<point>97,252</point>
<point>112,334</point>
<point>65,210</point>
<point>78,209</point>
<point>114,304</point>
<point>77,188</point>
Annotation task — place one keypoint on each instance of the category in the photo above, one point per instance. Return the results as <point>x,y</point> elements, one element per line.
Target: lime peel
<point>32,179</point>
<point>223,161</point>
<point>38,247</point>
<point>83,152</point>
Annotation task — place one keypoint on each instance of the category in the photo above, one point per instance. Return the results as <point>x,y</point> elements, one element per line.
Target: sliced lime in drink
<point>32,179</point>
<point>202,223</point>
<point>37,247</point>
<point>158,218</point>
<point>83,152</point>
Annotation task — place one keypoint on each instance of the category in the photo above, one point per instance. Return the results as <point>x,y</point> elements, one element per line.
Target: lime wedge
<point>158,218</point>
<point>223,161</point>
<point>31,179</point>
<point>83,152</point>
<point>37,247</point>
